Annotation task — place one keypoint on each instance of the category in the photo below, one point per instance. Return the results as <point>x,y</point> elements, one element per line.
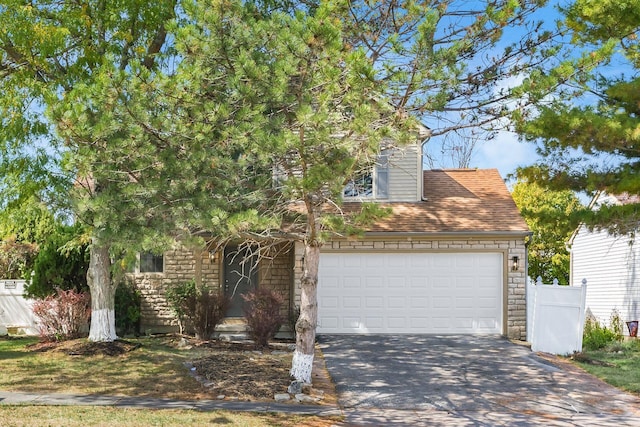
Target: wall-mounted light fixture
<point>515,263</point>
<point>214,256</point>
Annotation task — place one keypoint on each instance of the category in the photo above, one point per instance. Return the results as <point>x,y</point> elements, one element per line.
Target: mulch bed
<point>235,370</point>
<point>244,375</point>
<point>86,348</point>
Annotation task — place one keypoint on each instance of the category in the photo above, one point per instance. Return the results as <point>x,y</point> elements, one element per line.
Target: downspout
<point>421,180</point>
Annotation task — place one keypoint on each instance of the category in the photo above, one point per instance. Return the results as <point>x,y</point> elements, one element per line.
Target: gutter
<point>444,234</point>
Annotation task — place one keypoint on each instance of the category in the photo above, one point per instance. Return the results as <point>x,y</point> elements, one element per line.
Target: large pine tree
<point>590,142</point>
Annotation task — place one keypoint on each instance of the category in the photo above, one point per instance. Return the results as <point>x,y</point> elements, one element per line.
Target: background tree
<point>455,65</point>
<point>591,142</point>
<point>25,226</point>
<point>552,217</point>
<point>47,50</point>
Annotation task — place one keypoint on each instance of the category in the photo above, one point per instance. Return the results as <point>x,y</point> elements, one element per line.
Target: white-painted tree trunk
<point>103,290</point>
<point>302,363</point>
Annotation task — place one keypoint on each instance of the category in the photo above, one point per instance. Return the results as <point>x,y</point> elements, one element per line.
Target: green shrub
<point>201,308</point>
<point>262,312</point>
<point>55,268</point>
<point>596,336</point>
<point>616,324</point>
<point>127,309</point>
<point>178,296</point>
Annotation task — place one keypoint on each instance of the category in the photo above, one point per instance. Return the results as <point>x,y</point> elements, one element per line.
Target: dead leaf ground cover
<point>240,371</point>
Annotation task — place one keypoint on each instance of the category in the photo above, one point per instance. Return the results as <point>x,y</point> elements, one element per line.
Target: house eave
<point>390,235</point>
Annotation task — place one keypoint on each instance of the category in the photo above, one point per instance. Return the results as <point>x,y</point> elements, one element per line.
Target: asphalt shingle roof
<point>455,201</point>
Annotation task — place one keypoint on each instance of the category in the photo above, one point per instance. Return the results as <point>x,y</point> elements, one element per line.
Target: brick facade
<point>274,271</point>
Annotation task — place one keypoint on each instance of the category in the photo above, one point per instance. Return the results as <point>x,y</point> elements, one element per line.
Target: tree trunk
<point>103,291</point>
<point>306,324</point>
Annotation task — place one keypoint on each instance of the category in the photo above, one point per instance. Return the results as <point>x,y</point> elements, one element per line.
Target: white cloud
<point>505,153</point>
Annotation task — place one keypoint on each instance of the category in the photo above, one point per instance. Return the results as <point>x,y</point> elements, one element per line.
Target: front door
<point>240,277</point>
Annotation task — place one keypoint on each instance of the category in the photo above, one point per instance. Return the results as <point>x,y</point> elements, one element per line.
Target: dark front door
<point>240,277</point>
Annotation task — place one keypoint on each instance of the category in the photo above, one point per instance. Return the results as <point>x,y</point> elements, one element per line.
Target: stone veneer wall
<point>180,266</point>
<point>516,315</point>
<point>275,272</point>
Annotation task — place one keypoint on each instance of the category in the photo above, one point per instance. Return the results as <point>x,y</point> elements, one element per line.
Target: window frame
<point>150,260</point>
<point>379,185</point>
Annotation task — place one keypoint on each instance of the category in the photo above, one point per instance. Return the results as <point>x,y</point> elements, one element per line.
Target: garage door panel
<point>440,282</point>
<point>464,303</point>
<point>396,282</point>
<point>374,322</point>
<point>352,282</point>
<point>442,302</point>
<point>419,302</point>
<point>410,293</point>
<point>488,303</point>
<point>351,303</point>
<point>329,303</point>
<point>374,302</point>
<point>462,323</point>
<point>396,302</point>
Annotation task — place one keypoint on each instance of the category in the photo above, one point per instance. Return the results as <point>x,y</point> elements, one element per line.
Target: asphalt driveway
<point>466,381</point>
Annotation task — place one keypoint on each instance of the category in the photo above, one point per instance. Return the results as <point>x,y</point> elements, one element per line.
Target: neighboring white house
<point>611,265</point>
<point>16,313</point>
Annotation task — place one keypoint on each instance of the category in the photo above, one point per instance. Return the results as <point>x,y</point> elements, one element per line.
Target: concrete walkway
<point>19,398</point>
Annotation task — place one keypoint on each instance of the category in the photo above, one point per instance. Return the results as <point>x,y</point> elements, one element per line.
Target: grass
<point>153,370</point>
<point>617,364</point>
<point>76,416</point>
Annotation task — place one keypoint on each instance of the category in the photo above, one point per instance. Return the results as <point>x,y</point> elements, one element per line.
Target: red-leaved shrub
<point>262,312</point>
<point>62,316</point>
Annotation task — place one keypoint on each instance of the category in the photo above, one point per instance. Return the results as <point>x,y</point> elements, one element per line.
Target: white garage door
<point>435,293</point>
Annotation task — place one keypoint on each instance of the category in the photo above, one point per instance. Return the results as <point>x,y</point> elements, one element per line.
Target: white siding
<point>611,267</point>
<point>405,174</point>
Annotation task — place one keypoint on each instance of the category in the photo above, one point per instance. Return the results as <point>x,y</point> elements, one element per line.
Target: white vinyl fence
<point>16,312</point>
<point>555,317</point>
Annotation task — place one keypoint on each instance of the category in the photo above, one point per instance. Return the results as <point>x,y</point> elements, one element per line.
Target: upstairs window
<point>150,263</point>
<point>374,184</point>
<point>361,186</point>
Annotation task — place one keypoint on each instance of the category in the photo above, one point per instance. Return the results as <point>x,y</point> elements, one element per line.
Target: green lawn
<point>617,364</point>
<point>77,416</point>
<point>155,369</point>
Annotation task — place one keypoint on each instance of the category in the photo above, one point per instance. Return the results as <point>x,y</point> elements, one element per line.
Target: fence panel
<point>15,310</point>
<point>556,317</point>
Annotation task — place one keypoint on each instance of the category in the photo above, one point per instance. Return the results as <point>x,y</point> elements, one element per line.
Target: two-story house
<point>451,259</point>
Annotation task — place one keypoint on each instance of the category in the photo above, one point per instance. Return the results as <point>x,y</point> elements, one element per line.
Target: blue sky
<point>505,153</point>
